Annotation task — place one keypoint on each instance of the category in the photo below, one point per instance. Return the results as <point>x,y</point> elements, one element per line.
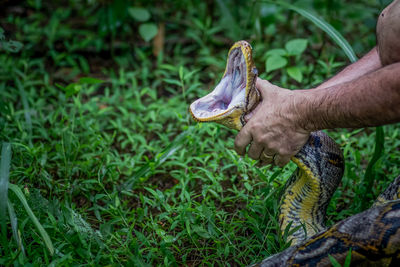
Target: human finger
<point>281,160</point>
<point>267,157</point>
<point>243,138</point>
<point>262,86</point>
<point>255,150</point>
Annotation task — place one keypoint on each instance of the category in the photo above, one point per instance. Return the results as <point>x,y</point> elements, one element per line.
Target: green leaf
<point>72,89</point>
<point>276,52</point>
<point>323,25</point>
<point>169,238</point>
<point>334,262</point>
<point>347,261</point>
<point>25,104</point>
<point>11,46</point>
<point>295,73</point>
<point>296,47</point>
<point>148,31</point>
<point>17,191</point>
<point>201,231</point>
<point>248,186</point>
<point>275,62</point>
<point>89,80</point>
<point>14,226</point>
<point>139,13</point>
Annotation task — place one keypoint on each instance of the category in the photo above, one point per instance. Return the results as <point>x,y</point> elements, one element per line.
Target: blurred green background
<point>106,167</point>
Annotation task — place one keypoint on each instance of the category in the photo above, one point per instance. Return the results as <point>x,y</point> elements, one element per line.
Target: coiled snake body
<point>373,235</point>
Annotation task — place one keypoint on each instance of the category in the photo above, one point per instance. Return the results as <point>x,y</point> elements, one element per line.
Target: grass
<point>117,173</point>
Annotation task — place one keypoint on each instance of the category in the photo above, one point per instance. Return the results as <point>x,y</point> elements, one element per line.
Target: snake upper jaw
<point>235,95</point>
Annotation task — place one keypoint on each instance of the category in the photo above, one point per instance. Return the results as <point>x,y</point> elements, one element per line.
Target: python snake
<point>373,235</point>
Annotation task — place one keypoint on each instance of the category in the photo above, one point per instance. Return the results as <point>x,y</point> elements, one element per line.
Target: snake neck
<point>309,190</point>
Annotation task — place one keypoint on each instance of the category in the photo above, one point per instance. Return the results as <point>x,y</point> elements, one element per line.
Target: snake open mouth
<point>235,95</point>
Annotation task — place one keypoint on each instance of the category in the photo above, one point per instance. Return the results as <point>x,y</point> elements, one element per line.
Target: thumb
<point>263,86</point>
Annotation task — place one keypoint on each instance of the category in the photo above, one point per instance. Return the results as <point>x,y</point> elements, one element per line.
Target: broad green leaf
<point>275,62</point>
<point>148,31</point>
<point>296,47</point>
<point>139,13</point>
<point>276,52</point>
<point>295,73</point>
<point>323,25</point>
<point>17,191</point>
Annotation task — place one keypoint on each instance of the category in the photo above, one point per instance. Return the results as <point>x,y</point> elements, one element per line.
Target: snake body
<point>311,186</point>
<point>373,235</point>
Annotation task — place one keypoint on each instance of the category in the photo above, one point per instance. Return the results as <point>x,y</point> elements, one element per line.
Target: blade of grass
<point>14,226</point>
<point>17,191</point>
<point>25,104</point>
<point>323,25</point>
<point>159,159</point>
<point>347,261</point>
<point>4,178</point>
<point>370,171</point>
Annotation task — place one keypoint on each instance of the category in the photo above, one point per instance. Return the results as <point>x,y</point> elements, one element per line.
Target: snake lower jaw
<point>232,118</point>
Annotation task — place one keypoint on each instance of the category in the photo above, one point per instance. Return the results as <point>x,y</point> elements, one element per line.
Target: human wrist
<point>303,113</point>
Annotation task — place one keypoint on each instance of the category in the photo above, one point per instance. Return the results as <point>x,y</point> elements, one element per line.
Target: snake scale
<point>373,235</point>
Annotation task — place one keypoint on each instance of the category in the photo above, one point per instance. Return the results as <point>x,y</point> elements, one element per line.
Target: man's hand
<point>272,129</point>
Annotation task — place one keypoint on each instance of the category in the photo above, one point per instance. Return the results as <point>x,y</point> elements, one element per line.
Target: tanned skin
<point>366,93</point>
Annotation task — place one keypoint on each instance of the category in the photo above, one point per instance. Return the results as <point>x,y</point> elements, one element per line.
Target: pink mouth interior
<point>229,93</point>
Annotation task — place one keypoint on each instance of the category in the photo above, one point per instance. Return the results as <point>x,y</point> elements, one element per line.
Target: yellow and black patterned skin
<point>373,235</point>
<point>310,188</point>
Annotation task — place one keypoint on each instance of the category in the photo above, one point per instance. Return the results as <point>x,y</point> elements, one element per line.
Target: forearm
<point>371,100</point>
<point>366,64</point>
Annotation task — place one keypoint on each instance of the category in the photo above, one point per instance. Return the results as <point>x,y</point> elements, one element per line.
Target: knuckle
<point>279,163</point>
<point>283,161</point>
<point>237,143</point>
<point>252,155</point>
<point>284,151</point>
<point>258,139</point>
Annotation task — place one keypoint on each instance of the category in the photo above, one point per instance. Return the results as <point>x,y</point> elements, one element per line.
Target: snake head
<point>235,95</point>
